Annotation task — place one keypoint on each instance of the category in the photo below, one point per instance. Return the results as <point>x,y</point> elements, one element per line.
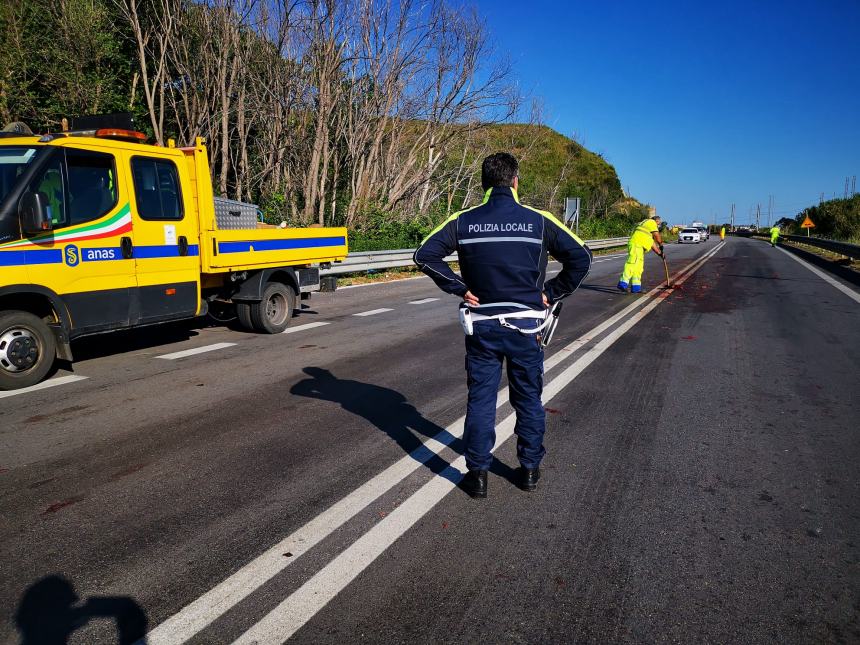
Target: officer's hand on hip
<point>470,299</point>
<point>545,300</point>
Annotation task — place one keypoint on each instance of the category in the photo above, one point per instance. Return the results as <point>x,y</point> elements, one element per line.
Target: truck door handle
<point>127,248</point>
<point>183,245</point>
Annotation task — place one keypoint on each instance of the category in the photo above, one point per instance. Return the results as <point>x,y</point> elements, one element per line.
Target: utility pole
<point>821,199</point>
<point>845,194</point>
<point>769,208</point>
<point>757,216</point>
<point>732,225</point>
<point>853,185</point>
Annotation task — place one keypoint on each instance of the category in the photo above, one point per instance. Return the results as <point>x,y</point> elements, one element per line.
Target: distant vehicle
<point>703,230</point>
<point>689,236</point>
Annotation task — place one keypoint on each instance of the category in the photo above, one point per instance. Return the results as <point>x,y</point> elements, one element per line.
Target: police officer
<point>503,247</point>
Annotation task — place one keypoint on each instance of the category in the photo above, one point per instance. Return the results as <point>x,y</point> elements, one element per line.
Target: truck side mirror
<point>33,209</point>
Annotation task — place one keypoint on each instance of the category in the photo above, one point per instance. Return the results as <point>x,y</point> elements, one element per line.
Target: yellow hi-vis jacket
<point>642,236</point>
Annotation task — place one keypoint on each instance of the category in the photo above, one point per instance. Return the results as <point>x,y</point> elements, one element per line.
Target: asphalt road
<point>700,485</point>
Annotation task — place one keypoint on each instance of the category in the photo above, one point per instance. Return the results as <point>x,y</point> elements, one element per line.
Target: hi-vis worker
<point>722,233</point>
<point>774,235</point>
<point>508,310</point>
<point>645,238</point>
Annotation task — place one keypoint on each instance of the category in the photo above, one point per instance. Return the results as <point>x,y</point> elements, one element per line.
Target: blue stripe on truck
<point>20,258</point>
<point>163,251</point>
<point>279,245</point>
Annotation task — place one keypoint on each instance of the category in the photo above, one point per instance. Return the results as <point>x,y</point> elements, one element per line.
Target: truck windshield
<point>13,161</point>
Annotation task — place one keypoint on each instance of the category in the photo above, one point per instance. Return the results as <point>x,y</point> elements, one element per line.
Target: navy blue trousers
<point>486,350</point>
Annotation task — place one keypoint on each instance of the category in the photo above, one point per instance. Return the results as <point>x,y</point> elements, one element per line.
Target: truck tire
<point>273,313</point>
<point>243,313</point>
<point>27,349</point>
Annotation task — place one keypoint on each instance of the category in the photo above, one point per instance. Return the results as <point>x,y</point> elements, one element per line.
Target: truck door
<point>89,216</point>
<point>165,240</point>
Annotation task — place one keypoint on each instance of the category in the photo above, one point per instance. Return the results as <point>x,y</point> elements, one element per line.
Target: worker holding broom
<point>645,238</point>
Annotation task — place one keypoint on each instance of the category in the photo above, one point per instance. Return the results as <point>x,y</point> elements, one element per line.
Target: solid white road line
<point>373,312</point>
<point>200,613</point>
<point>376,284</point>
<point>299,607</point>
<point>827,278</point>
<point>290,330</point>
<point>196,350</point>
<point>54,382</point>
<point>422,301</point>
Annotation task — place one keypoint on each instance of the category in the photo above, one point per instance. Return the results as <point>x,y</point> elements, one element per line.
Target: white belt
<point>549,317</point>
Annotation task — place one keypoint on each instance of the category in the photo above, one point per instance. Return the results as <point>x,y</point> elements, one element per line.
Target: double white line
<point>300,606</point>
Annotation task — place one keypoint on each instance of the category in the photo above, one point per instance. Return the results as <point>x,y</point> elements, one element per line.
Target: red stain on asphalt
<point>3,470</point>
<point>688,338</point>
<point>382,513</point>
<point>127,471</point>
<point>444,525</point>
<point>553,410</point>
<point>559,582</point>
<point>56,506</point>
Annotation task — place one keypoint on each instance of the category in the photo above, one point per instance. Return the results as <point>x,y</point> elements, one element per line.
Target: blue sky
<point>698,105</point>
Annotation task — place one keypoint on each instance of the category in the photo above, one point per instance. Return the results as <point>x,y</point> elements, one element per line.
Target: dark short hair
<point>499,169</point>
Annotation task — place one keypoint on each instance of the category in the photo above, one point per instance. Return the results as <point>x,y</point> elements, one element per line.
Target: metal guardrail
<point>835,246</point>
<point>843,248</point>
<point>375,260</point>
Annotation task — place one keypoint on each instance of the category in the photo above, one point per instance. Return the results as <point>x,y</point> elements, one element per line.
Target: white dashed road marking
<point>290,330</point>
<point>60,380</point>
<point>196,350</point>
<point>373,312</point>
<point>422,301</point>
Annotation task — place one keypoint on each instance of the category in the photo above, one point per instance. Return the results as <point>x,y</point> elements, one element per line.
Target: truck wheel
<point>243,313</point>
<point>27,349</point>
<point>272,314</point>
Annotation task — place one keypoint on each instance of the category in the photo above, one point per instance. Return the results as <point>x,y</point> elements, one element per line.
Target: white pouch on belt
<point>466,319</point>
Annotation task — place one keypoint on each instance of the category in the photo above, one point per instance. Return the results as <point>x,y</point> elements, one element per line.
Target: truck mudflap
<point>308,279</point>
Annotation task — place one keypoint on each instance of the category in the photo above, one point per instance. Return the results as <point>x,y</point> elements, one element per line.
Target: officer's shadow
<point>392,413</point>
<point>50,611</point>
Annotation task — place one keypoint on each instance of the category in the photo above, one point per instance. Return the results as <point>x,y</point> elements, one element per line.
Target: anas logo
<point>72,255</point>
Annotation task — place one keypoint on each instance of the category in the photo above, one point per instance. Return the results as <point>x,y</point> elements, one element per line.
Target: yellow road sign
<point>807,223</point>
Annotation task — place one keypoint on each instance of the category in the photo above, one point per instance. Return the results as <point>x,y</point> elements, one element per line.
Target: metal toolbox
<point>233,215</point>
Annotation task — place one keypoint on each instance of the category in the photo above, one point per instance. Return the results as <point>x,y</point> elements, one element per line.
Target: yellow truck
<point>100,231</point>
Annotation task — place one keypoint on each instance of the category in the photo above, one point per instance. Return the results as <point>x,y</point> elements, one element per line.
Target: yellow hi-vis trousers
<point>635,264</point>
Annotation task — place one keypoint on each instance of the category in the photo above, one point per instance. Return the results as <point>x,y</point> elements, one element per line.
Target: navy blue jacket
<point>502,247</point>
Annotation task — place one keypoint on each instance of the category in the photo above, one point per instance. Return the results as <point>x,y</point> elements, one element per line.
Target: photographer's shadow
<point>50,611</point>
<point>391,413</point>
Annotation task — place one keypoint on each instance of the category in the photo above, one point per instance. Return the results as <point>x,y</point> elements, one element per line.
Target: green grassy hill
<point>554,166</point>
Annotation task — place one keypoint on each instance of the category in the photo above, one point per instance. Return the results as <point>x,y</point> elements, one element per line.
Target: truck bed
<point>238,250</point>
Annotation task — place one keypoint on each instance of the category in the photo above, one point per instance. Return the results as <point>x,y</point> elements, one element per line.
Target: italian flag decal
<point>116,224</point>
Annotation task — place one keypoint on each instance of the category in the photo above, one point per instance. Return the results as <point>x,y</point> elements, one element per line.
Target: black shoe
<point>475,483</point>
<point>527,478</point>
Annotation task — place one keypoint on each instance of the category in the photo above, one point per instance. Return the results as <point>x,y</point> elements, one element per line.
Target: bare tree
<point>154,33</point>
